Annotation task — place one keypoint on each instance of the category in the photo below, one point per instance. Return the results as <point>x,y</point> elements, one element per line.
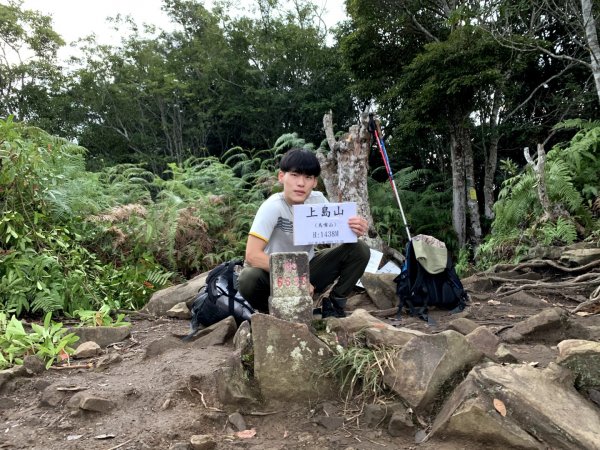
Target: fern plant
<point>571,176</point>
<point>47,257</point>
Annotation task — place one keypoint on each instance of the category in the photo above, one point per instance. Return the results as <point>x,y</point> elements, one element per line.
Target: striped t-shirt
<point>274,224</point>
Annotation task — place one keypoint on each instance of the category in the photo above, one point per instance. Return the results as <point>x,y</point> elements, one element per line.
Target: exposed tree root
<point>593,303</point>
<point>588,279</point>
<point>537,263</point>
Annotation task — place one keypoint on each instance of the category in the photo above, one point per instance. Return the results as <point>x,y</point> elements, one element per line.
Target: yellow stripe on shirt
<point>262,238</point>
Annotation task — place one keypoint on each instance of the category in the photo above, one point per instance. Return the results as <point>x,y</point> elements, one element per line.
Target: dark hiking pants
<point>346,262</point>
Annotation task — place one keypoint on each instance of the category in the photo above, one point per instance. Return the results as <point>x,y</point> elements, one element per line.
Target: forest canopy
<point>141,164</point>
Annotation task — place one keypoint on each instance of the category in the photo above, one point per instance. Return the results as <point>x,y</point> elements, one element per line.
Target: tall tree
<point>564,31</point>
<point>591,34</point>
<point>28,66</point>
<point>432,41</point>
<point>214,83</point>
<point>438,78</point>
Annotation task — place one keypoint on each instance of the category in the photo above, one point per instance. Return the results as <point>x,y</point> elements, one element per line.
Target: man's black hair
<point>300,160</point>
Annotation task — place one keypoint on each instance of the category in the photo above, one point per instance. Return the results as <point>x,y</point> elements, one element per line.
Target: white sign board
<point>323,223</point>
<point>390,267</point>
<point>373,263</point>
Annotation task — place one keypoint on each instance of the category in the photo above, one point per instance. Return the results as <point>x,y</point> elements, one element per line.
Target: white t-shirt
<point>274,224</point>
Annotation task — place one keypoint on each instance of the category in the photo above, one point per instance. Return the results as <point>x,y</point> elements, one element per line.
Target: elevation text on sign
<point>323,223</point>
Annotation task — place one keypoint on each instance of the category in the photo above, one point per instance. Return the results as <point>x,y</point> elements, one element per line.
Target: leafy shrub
<point>48,341</point>
<point>571,176</point>
<point>427,204</point>
<point>46,261</point>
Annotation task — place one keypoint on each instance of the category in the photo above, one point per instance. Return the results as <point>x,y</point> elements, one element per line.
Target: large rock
<point>427,366</point>
<point>532,409</point>
<point>102,336</point>
<point>462,325</point>
<point>13,372</point>
<point>163,300</point>
<point>523,298</point>
<point>360,301</point>
<point>357,321</point>
<point>583,358</point>
<point>550,326</point>
<point>87,349</point>
<point>288,361</point>
<point>580,256</point>
<point>234,385</point>
<point>377,332</point>
<point>478,283</point>
<point>217,334</point>
<point>180,311</point>
<point>484,340</point>
<point>389,337</point>
<point>381,288</point>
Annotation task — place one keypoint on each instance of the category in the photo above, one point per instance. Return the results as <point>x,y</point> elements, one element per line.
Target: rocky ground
<point>139,393</point>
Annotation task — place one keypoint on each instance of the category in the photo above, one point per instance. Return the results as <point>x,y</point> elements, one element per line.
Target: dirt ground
<point>164,400</point>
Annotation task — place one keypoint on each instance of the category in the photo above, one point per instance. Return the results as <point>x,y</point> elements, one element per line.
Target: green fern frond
<point>234,155</point>
<point>290,140</point>
<point>159,278</point>
<point>562,232</point>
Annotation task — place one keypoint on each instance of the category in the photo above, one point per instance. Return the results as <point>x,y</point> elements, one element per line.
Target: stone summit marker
<point>290,287</point>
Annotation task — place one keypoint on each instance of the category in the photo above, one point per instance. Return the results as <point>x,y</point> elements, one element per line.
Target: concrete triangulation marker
<point>290,287</point>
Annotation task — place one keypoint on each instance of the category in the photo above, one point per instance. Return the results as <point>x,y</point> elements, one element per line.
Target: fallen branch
<point>594,300</point>
<point>508,280</point>
<point>74,366</point>
<point>264,413</point>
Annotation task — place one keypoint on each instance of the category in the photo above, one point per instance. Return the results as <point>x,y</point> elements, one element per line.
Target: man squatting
<point>272,231</point>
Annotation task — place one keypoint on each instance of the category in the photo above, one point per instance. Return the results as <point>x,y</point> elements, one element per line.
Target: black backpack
<point>417,289</point>
<point>219,298</point>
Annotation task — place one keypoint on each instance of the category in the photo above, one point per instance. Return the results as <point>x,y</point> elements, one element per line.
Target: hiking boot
<point>327,309</point>
<point>334,307</point>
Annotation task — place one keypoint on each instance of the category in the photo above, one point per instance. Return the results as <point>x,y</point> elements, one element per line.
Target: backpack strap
<point>230,289</point>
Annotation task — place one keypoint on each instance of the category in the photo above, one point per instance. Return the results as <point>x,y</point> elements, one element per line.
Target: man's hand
<point>358,225</point>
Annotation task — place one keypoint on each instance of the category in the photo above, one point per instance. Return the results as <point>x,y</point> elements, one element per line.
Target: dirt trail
<point>163,400</point>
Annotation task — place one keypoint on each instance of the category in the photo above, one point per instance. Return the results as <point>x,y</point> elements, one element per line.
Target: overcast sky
<point>74,19</point>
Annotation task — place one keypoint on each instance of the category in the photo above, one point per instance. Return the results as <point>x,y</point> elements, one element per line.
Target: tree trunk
<point>344,169</point>
<point>551,211</point>
<point>458,189</point>
<point>472,203</point>
<point>491,160</point>
<point>591,35</point>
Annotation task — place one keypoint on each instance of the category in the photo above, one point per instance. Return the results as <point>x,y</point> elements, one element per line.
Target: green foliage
<point>100,318</point>
<point>47,340</point>
<point>561,232</point>
<point>427,205</point>
<point>582,155</point>
<point>520,222</point>
<point>47,258</point>
<point>463,264</point>
<point>218,81</point>
<point>29,73</point>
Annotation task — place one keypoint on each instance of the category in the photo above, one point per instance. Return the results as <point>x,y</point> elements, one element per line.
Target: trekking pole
<point>373,128</point>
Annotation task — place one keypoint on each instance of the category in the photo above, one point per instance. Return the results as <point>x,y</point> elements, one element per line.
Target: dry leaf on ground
<point>246,434</point>
<point>499,405</point>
